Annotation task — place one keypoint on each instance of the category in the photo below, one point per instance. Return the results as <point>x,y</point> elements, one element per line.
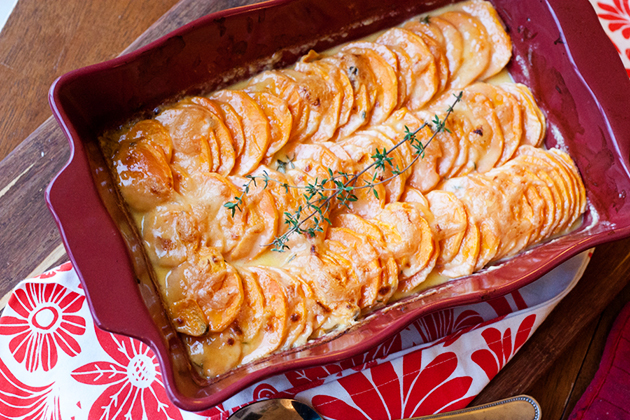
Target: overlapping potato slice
<point>170,233</point>
<point>207,194</point>
<point>509,115</point>
<point>216,286</point>
<point>565,178</point>
<point>390,270</point>
<point>449,223</point>
<point>575,177</point>
<point>256,129</point>
<point>321,98</point>
<point>408,236</point>
<point>144,177</point>
<point>449,145</point>
<point>362,148</point>
<point>279,84</point>
<point>362,79</point>
<point>272,332</point>
<point>475,118</point>
<point>453,42</point>
<point>230,118</point>
<point>423,174</point>
<point>364,259</point>
<point>424,70</point>
<point>433,39</point>
<point>333,281</point>
<point>339,77</point>
<point>325,99</point>
<point>500,43</point>
<point>261,224</point>
<point>222,134</point>
<point>534,122</point>
<point>149,131</point>
<point>384,65</point>
<point>279,117</point>
<point>296,315</point>
<point>477,51</point>
<point>195,146</point>
<point>465,260</point>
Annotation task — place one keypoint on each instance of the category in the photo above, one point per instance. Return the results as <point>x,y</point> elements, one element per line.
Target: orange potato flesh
<point>279,117</point>
<point>279,84</point>
<point>170,233</point>
<point>476,52</point>
<point>423,63</point>
<point>500,42</point>
<point>453,42</point>
<point>361,77</point>
<point>324,97</point>
<point>256,129</point>
<point>386,80</point>
<point>222,133</point>
<point>144,176</point>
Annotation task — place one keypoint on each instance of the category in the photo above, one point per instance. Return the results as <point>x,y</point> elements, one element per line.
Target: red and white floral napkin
<point>55,364</point>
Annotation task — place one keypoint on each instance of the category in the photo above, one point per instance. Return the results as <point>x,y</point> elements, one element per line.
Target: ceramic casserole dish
<point>560,52</point>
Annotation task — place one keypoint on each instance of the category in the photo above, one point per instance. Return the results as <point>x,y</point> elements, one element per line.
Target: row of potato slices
<point>484,131</point>
<point>249,312</point>
<point>497,214</point>
<point>329,98</point>
<point>246,233</point>
<point>235,315</point>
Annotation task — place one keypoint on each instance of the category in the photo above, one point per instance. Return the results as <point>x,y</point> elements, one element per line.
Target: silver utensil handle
<point>521,407</point>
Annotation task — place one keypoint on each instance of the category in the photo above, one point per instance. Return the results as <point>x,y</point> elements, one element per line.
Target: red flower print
<point>44,322</point>
<point>443,323</point>
<point>21,401</point>
<point>500,347</point>
<point>384,395</point>
<point>135,388</point>
<point>618,14</point>
<point>303,379</point>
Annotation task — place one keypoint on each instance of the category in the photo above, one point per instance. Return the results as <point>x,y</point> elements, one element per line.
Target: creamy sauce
<point>180,271</point>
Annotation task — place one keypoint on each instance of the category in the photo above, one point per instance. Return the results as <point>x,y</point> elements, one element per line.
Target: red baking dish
<point>560,51</point>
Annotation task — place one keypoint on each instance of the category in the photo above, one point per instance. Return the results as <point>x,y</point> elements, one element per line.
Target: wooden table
<point>43,40</point>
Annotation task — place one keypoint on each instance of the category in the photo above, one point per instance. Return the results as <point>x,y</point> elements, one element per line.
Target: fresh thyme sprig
<point>343,184</point>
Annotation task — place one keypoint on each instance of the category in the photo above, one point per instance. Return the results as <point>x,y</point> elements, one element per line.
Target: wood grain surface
<point>42,40</point>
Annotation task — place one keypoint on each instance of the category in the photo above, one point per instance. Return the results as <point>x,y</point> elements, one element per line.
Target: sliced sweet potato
<point>296,317</point>
<point>170,232</point>
<point>534,122</point>
<point>433,37</point>
<point>453,42</point>
<point>279,117</point>
<point>424,68</point>
<point>450,223</point>
<point>195,146</point>
<point>476,54</point>
<point>384,66</point>
<point>222,134</point>
<point>500,42</point>
<point>144,177</point>
<point>328,97</point>
<point>255,129</point>
<point>508,113</point>
<point>362,79</point>
<point>274,321</point>
<point>365,262</point>
<point>279,84</point>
